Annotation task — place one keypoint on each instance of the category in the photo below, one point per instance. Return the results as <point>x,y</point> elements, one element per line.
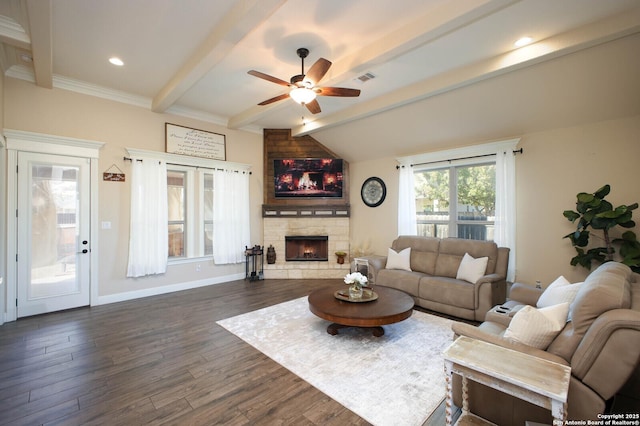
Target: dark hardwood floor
<point>159,360</point>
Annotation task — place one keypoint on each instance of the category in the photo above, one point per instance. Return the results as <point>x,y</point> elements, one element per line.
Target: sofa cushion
<point>549,295</point>
<point>406,281</point>
<point>604,289</point>
<point>471,269</point>
<point>399,260</point>
<point>452,250</point>
<point>559,291</point>
<point>424,261</point>
<point>537,327</point>
<point>424,251</point>
<point>448,291</point>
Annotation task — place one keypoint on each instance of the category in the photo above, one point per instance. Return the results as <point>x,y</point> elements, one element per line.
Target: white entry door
<point>53,250</point>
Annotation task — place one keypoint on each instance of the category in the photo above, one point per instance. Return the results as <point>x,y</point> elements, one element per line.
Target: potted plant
<point>341,255</point>
<point>596,213</point>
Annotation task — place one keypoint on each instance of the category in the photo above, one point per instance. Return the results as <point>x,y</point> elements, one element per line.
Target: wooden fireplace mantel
<point>289,211</point>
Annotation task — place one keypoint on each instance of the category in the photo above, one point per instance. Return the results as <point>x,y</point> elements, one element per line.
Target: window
<point>176,213</point>
<point>208,214</point>
<point>193,214</point>
<point>471,173</point>
<point>471,216</point>
<point>190,215</point>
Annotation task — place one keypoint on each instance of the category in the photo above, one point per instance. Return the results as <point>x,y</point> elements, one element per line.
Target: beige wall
<point>65,113</point>
<point>373,228</point>
<point>555,166</point>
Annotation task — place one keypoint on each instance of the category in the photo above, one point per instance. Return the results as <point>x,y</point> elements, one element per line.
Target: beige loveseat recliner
<point>600,342</point>
<point>432,279</point>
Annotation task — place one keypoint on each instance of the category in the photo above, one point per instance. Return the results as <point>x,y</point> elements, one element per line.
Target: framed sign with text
<point>195,143</point>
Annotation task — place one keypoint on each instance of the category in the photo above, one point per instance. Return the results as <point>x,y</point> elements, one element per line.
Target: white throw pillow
<point>471,269</point>
<point>400,260</point>
<point>537,327</point>
<point>559,291</point>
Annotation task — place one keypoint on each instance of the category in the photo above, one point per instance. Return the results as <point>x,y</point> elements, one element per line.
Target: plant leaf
<point>571,215</point>
<point>603,192</point>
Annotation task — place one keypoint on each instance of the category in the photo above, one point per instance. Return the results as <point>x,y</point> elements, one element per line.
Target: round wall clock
<point>373,191</point>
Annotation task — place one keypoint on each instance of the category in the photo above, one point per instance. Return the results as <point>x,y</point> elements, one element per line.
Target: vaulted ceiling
<point>440,72</point>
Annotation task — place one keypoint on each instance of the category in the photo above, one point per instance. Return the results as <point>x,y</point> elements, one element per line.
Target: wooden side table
<point>536,380</point>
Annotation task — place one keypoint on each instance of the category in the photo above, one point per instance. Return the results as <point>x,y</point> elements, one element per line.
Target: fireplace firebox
<point>307,248</point>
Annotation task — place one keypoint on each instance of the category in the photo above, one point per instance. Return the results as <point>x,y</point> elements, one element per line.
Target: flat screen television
<point>308,178</point>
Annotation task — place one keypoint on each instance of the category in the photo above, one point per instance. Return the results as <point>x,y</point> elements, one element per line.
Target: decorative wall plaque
<point>113,174</point>
<point>195,143</point>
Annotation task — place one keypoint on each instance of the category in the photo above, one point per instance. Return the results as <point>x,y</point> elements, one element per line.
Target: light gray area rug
<point>397,379</point>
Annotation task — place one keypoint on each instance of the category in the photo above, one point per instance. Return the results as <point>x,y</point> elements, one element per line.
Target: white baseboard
<point>138,294</point>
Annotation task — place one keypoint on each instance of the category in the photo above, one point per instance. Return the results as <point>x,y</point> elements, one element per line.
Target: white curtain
<point>231,233</point>
<point>148,233</point>
<point>505,223</point>
<point>406,202</point>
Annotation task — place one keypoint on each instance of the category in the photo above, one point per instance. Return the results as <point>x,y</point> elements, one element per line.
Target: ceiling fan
<point>303,86</point>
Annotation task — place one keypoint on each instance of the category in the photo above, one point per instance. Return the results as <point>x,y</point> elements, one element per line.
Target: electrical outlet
<point>198,267</point>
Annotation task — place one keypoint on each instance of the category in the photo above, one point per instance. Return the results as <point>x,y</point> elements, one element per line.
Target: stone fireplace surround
<point>275,230</point>
<point>302,217</point>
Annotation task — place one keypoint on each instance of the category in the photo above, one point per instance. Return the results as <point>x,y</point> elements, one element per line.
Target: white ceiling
<point>446,71</point>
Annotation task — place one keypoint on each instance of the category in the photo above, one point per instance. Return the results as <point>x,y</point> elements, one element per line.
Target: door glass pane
<point>54,231</point>
<point>432,202</point>
<point>176,213</point>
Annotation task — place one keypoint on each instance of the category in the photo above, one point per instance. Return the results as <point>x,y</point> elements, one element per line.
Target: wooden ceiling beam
<point>448,17</point>
<point>240,21</point>
<point>40,27</point>
<point>563,44</point>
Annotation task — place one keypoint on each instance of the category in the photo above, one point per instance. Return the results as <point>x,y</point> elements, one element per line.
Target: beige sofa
<point>600,342</point>
<point>432,279</point>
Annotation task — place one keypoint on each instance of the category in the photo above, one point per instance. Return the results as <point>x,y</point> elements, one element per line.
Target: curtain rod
<point>176,164</point>
<point>516,151</point>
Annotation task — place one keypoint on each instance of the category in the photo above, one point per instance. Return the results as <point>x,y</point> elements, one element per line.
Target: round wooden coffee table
<point>391,306</point>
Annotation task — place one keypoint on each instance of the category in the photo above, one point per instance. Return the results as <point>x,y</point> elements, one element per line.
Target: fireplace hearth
<point>336,230</point>
<point>307,248</point>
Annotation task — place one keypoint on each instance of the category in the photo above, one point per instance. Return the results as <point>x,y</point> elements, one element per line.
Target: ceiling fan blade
<point>313,106</point>
<point>317,71</point>
<point>274,99</point>
<point>268,77</point>
<point>337,91</point>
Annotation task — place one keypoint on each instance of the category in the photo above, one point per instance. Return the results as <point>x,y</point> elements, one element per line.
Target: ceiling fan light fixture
<point>302,95</point>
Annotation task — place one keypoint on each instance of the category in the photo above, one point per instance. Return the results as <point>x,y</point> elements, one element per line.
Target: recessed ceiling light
<point>523,41</point>
<point>116,61</point>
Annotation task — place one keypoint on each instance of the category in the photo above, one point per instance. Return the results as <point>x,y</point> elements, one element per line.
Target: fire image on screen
<point>310,177</point>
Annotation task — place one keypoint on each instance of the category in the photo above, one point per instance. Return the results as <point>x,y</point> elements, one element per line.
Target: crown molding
<point>23,73</point>
<point>196,114</point>
<point>13,32</point>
